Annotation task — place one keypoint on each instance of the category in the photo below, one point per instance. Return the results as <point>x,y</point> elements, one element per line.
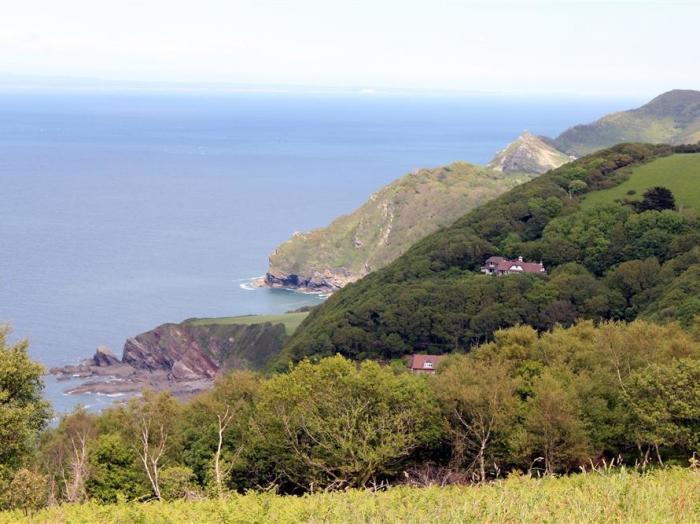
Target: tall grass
<point>664,495</point>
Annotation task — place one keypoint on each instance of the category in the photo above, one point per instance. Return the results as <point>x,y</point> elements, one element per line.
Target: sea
<point>123,210</point>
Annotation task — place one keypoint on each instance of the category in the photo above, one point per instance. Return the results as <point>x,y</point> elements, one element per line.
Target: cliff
<point>529,154</point>
<point>393,219</point>
<point>184,357</point>
<point>190,350</point>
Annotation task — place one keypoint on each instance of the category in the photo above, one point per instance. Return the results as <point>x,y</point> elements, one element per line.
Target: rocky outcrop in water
<point>183,358</point>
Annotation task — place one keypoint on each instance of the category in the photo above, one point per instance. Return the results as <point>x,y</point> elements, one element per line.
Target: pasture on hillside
<point>291,320</point>
<point>680,173</point>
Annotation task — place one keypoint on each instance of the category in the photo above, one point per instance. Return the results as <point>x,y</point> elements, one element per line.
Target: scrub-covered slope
<point>394,218</point>
<point>605,261</point>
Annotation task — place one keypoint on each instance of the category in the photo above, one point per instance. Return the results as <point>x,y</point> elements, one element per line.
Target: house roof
<point>503,264</point>
<point>418,362</point>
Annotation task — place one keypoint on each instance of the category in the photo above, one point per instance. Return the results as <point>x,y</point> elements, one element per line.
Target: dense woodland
<point>556,402</point>
<point>596,362</point>
<point>617,261</point>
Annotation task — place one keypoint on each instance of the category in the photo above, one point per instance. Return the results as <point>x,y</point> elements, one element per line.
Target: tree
<point>222,470</point>
<point>576,186</point>
<point>656,199</point>
<point>114,472</point>
<point>177,482</point>
<point>478,398</point>
<point>554,430</point>
<point>27,491</point>
<point>153,419</point>
<point>67,454</point>
<point>664,400</point>
<point>213,429</point>
<point>337,424</point>
<point>23,412</point>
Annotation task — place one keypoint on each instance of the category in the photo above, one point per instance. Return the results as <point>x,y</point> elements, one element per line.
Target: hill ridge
<point>433,299</point>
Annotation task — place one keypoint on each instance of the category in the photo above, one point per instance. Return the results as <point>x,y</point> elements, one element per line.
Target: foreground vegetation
<point>527,403</point>
<point>665,495</point>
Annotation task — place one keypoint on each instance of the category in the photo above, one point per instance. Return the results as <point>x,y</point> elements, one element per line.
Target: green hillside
<point>602,261</point>
<point>679,173</point>
<point>672,117</point>
<point>383,228</point>
<point>408,209</point>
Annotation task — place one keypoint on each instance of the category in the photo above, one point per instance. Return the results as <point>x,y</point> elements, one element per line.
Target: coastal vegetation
<point>383,228</point>
<point>418,204</point>
<point>523,406</point>
<point>608,261</point>
<point>569,393</point>
<point>672,118</point>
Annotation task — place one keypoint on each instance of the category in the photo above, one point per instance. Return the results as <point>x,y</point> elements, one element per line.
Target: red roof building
<point>422,364</point>
<point>502,266</point>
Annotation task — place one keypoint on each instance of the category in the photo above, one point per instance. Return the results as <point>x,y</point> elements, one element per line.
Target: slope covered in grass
<point>667,495</point>
<point>290,321</point>
<point>679,173</point>
<point>672,117</point>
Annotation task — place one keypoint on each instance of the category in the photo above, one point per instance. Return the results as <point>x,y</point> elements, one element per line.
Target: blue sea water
<point>122,211</point>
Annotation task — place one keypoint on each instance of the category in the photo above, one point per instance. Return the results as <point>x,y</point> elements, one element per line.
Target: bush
<point>28,491</point>
<point>177,482</point>
<point>337,424</point>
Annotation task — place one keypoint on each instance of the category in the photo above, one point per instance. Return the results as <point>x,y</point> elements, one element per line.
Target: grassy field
<point>291,321</point>
<point>669,495</point>
<point>680,173</point>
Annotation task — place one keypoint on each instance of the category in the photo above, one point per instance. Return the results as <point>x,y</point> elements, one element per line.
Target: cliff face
<point>393,219</point>
<point>183,358</point>
<point>191,350</point>
<point>529,154</point>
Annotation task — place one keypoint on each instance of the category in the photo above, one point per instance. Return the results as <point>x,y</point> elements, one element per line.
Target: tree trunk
<point>658,454</point>
<point>482,465</point>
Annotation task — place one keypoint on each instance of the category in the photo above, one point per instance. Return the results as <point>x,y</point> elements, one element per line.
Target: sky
<point>593,47</point>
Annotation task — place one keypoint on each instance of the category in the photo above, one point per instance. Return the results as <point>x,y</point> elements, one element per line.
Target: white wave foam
<point>248,279</point>
<point>111,395</point>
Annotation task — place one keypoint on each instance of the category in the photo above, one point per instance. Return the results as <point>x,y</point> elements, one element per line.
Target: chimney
<point>520,259</point>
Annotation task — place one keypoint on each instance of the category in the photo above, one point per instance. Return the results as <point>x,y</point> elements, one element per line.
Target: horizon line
<point>18,83</point>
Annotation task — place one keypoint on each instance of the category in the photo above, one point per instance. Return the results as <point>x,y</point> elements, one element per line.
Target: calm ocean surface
<point>119,212</point>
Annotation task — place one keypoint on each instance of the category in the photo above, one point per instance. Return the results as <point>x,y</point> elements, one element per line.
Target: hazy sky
<point>586,47</point>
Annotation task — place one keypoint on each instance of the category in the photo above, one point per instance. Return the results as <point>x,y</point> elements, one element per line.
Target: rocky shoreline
<point>182,358</point>
<point>319,284</point>
<point>105,374</point>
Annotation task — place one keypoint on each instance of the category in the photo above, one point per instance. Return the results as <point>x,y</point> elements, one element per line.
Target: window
<point>428,365</point>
